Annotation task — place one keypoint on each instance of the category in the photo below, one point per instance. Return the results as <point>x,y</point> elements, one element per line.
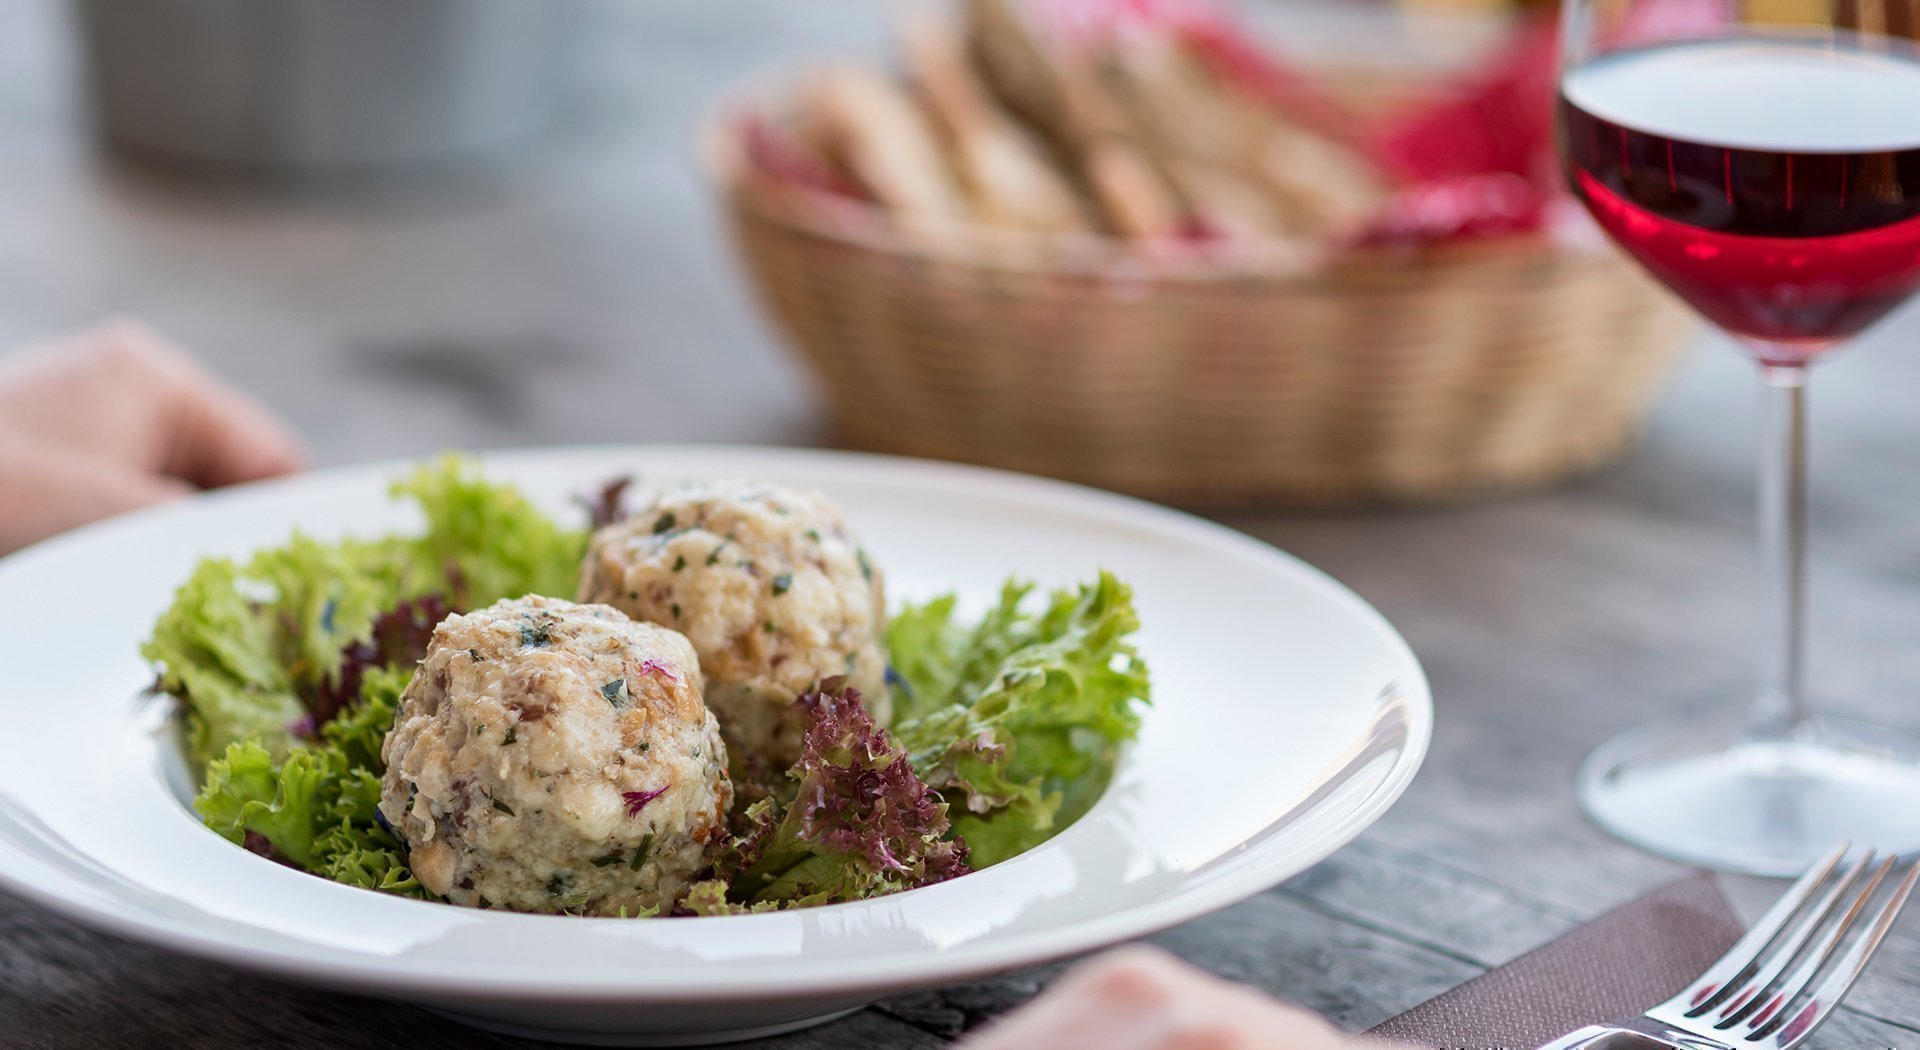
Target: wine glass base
<point>1752,804</point>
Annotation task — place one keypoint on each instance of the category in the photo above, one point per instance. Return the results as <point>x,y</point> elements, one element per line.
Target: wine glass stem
<point>1782,707</point>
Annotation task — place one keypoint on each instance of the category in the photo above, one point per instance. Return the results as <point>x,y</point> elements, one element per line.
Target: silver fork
<point>1784,978</point>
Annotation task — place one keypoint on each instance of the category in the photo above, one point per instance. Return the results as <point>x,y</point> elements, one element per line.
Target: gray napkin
<point>1625,961</point>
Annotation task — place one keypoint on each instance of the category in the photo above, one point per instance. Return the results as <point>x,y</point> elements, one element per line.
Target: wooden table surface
<point>587,296</point>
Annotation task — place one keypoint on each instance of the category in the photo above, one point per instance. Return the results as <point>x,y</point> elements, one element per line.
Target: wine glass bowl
<point>1762,160</point>
<point>1769,177</point>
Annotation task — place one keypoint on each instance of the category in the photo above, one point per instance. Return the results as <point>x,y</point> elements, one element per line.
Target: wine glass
<point>1762,159</point>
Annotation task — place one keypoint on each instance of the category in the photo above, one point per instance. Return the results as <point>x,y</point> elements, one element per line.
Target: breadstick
<point>1005,171</point>
<point>886,141</point>
<point>1057,89</point>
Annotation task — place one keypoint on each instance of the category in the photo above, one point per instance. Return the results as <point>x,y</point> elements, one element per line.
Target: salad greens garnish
<point>289,667</point>
<point>249,649</point>
<point>317,807</point>
<point>1017,719</point>
<point>398,636</point>
<point>486,542</point>
<point>856,822</point>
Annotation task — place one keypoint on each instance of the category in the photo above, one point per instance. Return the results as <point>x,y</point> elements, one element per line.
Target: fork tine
<point>1827,996</point>
<point>1755,989</point>
<point>1812,960</point>
<point>1713,986</point>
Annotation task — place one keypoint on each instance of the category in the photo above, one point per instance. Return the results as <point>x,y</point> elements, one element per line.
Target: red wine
<point>1774,183</point>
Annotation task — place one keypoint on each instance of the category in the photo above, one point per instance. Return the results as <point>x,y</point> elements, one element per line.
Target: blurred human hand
<point>1144,999</point>
<point>116,418</point>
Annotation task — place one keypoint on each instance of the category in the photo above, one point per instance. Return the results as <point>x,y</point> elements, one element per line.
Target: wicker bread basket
<point>1219,383</point>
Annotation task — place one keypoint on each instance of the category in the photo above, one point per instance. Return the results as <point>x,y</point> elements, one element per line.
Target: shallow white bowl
<point>1287,716</point>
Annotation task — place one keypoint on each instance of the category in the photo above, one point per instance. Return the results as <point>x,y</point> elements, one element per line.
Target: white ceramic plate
<point>1288,715</point>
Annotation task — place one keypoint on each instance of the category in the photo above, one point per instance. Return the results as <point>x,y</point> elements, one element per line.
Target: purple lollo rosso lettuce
<point>860,822</point>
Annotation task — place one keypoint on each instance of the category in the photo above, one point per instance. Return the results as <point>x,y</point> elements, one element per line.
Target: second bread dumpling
<point>771,587</point>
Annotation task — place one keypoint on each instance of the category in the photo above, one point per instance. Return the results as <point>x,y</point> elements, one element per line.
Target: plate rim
<point>390,977</point>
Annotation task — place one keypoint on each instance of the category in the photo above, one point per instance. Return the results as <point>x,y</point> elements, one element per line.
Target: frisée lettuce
<point>249,649</point>
<point>1017,719</point>
<point>317,809</point>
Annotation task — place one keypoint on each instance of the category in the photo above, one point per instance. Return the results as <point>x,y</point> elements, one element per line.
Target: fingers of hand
<point>47,489</point>
<point>1144,999</point>
<point>123,394</point>
<point>212,434</point>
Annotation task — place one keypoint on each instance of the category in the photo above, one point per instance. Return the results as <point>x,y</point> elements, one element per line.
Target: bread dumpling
<point>771,587</point>
<point>554,757</point>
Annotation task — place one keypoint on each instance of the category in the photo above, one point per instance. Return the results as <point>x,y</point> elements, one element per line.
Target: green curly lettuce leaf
<point>317,807</point>
<point>485,542</point>
<point>924,649</point>
<point>357,849</point>
<point>252,650</point>
<point>711,897</point>
<point>246,791</point>
<point>324,596</point>
<point>244,648</point>
<point>360,730</point>
<point>215,646</point>
<point>1017,719</point>
<point>241,787</point>
<point>366,857</point>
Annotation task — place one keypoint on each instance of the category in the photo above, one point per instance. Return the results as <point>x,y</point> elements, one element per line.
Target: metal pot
<point>325,87</point>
